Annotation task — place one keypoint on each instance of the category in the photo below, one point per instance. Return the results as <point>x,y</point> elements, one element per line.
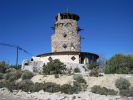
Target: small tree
<point>120,64</point>
<point>54,67</point>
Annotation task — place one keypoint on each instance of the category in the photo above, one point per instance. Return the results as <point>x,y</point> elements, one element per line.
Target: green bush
<point>3,66</point>
<point>27,75</point>
<point>94,72</point>
<point>103,90</point>
<point>2,84</point>
<point>93,65</point>
<point>51,87</point>
<point>9,85</point>
<point>77,70</point>
<point>10,76</point>
<point>38,87</point>
<point>26,85</point>
<point>18,74</point>
<point>1,76</point>
<point>54,67</point>
<point>122,83</point>
<point>10,70</point>
<point>69,89</point>
<point>12,86</point>
<point>76,87</point>
<point>66,88</point>
<point>79,78</point>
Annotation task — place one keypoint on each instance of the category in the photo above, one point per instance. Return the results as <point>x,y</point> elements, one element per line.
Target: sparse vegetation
<point>93,65</point>
<point>103,90</point>
<point>122,83</point>
<point>79,78</point>
<point>94,72</point>
<point>3,66</point>
<point>1,75</point>
<point>26,85</point>
<point>66,88</point>
<point>38,86</point>
<point>27,75</point>
<point>51,87</point>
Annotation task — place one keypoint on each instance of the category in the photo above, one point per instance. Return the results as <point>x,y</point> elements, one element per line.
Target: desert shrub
<point>54,67</point>
<point>79,78</point>
<point>38,87</point>
<point>3,66</point>
<point>9,85</point>
<point>18,73</point>
<point>10,76</point>
<point>83,86</point>
<point>66,88</point>
<point>92,65</point>
<point>70,89</point>
<point>51,87</point>
<point>10,70</point>
<point>1,75</point>
<point>103,90</point>
<point>3,83</point>
<point>122,83</point>
<point>69,71</point>
<point>126,92</point>
<point>76,87</point>
<point>56,75</point>
<point>27,75</point>
<point>94,72</point>
<point>77,70</point>
<point>26,85</point>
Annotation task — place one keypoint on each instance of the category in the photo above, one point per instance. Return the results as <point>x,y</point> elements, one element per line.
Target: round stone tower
<point>66,37</point>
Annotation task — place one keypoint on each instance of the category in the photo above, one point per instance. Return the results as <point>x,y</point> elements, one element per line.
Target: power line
<point>17,51</point>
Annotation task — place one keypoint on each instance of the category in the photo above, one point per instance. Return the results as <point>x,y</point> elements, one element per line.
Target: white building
<point>65,46</point>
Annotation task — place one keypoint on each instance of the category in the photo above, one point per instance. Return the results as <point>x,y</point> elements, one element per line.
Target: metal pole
<point>17,57</point>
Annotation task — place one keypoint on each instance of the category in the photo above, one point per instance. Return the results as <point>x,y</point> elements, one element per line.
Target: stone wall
<point>66,37</point>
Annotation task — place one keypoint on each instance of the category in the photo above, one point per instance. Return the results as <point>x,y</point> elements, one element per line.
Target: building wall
<point>62,58</point>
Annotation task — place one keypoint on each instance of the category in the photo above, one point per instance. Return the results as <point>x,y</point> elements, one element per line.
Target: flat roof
<point>68,53</point>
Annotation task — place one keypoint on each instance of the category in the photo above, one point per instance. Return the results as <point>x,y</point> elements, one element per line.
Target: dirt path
<point>10,97</point>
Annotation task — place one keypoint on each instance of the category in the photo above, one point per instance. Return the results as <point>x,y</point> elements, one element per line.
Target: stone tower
<point>66,36</point>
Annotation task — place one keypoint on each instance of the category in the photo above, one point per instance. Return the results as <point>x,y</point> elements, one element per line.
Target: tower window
<point>73,58</point>
<point>65,46</point>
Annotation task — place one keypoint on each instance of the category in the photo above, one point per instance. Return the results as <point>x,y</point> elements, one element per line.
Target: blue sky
<point>107,24</point>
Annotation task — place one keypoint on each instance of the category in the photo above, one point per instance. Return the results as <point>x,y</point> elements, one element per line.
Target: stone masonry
<point>66,37</point>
